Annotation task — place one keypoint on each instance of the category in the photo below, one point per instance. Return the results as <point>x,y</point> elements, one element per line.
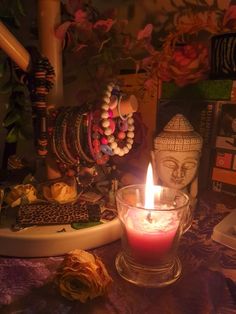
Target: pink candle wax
<point>150,240</point>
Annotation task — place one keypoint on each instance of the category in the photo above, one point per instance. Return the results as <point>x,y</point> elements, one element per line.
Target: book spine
<point>207,131</point>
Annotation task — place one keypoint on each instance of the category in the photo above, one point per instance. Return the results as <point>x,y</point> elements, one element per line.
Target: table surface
<point>207,284</point>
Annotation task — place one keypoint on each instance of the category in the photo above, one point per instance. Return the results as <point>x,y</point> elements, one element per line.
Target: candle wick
<point>149,217</point>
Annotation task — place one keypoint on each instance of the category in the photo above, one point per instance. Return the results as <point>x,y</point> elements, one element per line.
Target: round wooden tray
<point>39,241</point>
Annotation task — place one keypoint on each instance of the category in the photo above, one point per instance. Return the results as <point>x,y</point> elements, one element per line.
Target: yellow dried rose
<point>60,192</point>
<point>20,192</point>
<point>82,276</point>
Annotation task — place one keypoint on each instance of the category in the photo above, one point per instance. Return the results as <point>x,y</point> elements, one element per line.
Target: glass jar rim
<point>142,186</point>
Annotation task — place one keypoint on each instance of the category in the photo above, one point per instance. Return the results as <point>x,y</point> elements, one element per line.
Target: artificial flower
<point>229,20</point>
<point>187,64</point>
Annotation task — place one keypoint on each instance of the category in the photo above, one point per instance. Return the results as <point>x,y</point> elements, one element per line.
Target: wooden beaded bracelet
<point>42,83</point>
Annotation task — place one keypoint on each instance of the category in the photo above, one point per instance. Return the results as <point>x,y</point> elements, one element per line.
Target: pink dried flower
<point>145,33</point>
<point>62,29</point>
<point>229,20</point>
<point>104,25</point>
<point>80,16</point>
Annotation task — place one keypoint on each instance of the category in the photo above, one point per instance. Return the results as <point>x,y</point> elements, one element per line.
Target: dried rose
<point>82,276</point>
<point>26,192</point>
<point>60,192</point>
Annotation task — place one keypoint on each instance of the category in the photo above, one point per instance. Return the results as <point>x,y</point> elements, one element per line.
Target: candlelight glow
<point>149,189</point>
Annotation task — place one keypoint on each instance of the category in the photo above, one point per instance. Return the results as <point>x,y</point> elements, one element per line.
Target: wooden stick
<point>13,48</point>
<point>49,17</point>
<point>127,106</point>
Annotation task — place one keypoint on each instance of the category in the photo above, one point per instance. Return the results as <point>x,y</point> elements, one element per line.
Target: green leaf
<point>11,118</point>
<point>20,7</point>
<point>17,21</point>
<point>82,225</point>
<point>1,70</point>
<point>5,88</point>
<point>12,135</point>
<point>19,88</point>
<point>21,136</point>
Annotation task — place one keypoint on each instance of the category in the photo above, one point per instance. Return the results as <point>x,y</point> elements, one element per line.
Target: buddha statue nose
<point>178,173</point>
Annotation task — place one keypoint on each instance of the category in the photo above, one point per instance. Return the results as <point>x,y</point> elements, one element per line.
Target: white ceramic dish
<point>225,231</point>
<point>38,241</point>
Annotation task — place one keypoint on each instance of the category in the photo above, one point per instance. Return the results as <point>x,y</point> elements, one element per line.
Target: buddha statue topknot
<point>176,157</point>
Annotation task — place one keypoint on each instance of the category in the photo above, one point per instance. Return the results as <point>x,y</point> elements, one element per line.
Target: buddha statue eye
<point>189,165</point>
<point>170,164</point>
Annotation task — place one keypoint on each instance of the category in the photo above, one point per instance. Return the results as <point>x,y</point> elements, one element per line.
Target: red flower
<point>186,65</point>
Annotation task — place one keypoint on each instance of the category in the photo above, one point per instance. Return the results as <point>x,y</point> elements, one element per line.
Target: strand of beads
<point>118,141</point>
<point>43,82</point>
<point>97,150</point>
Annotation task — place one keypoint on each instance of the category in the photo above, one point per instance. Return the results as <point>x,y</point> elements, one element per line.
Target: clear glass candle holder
<point>150,237</point>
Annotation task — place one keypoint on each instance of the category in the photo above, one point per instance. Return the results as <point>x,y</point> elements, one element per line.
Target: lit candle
<point>150,231</point>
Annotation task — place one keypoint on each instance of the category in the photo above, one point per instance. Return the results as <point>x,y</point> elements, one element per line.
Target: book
<point>225,160</point>
<point>226,142</point>
<point>224,175</point>
<point>209,90</point>
<point>223,187</point>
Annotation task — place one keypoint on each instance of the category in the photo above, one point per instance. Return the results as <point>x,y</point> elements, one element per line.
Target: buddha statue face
<point>175,169</point>
<point>177,151</point>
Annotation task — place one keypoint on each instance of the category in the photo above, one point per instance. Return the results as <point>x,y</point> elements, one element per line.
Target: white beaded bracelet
<point>108,131</point>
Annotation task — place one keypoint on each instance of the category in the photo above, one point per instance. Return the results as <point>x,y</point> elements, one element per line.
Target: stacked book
<point>224,163</point>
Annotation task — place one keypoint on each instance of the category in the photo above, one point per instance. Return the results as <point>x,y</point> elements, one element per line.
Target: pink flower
<point>145,33</point>
<point>73,5</point>
<point>104,25</point>
<point>62,29</point>
<point>186,65</point>
<point>80,16</point>
<point>229,20</point>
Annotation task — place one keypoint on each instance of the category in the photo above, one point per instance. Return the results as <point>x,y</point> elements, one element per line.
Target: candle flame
<point>149,189</point>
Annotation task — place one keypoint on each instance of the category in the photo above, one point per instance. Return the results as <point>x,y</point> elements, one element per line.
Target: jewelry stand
<point>36,241</point>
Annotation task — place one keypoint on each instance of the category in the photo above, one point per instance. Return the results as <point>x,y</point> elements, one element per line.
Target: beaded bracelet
<point>94,145</point>
<point>71,134</point>
<point>79,136</point>
<point>64,140</point>
<point>125,125</point>
<point>75,126</point>
<point>57,140</point>
<point>43,82</point>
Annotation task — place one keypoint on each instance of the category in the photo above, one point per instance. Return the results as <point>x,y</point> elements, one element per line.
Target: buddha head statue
<point>177,151</point>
